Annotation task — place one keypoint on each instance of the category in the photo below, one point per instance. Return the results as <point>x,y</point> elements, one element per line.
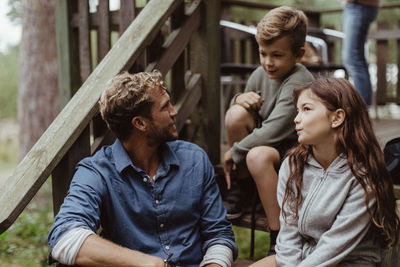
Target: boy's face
<point>277,57</point>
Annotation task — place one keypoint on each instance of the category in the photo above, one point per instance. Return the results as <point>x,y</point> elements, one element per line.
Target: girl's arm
<point>351,225</point>
<point>289,242</point>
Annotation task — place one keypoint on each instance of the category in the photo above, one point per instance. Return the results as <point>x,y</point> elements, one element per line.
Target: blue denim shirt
<point>180,213</point>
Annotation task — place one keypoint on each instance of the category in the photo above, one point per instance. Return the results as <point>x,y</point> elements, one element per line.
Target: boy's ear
<point>300,54</point>
<point>139,123</point>
<point>337,118</point>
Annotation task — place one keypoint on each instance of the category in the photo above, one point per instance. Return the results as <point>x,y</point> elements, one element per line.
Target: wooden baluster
<point>178,70</point>
<point>103,36</point>
<point>381,58</point>
<point>126,14</point>
<point>84,40</point>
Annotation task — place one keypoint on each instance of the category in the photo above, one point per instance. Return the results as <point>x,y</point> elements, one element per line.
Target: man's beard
<point>160,136</point>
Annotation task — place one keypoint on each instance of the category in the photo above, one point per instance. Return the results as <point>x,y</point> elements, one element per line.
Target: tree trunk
<point>37,91</point>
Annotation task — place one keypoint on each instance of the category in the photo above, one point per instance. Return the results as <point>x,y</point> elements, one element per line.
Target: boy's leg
<point>263,163</point>
<point>239,122</point>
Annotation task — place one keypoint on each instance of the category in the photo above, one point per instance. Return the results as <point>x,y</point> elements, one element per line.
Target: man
<point>154,197</point>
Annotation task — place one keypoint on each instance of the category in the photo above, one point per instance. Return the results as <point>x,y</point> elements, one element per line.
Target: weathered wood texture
<point>37,165</point>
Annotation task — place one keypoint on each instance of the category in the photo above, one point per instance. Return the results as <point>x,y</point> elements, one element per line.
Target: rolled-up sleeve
<point>81,207</point>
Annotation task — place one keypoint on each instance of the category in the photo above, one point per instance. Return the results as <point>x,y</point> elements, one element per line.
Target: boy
<point>259,123</point>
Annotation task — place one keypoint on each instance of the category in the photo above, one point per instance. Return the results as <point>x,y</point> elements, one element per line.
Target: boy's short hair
<point>128,95</point>
<point>283,21</point>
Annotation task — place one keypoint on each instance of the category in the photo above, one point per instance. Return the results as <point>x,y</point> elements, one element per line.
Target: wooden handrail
<point>37,165</point>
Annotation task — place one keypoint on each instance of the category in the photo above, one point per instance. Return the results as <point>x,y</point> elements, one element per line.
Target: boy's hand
<point>250,101</point>
<point>228,166</point>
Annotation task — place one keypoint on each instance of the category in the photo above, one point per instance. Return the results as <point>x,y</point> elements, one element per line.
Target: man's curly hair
<point>128,95</point>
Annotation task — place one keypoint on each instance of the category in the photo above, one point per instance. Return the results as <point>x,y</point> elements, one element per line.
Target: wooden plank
<point>40,161</point>
<point>126,13</point>
<point>103,36</point>
<point>189,100</point>
<point>64,171</point>
<point>176,42</point>
<point>67,51</point>
<point>381,58</point>
<point>84,40</point>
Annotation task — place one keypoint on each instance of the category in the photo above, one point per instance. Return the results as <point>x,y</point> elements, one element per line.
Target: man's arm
<point>216,230</point>
<point>96,251</point>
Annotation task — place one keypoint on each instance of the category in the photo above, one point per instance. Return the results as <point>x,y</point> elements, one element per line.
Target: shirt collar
<point>122,159</point>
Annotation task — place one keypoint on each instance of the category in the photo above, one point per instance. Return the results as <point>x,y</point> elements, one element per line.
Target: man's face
<point>277,58</point>
<point>162,126</point>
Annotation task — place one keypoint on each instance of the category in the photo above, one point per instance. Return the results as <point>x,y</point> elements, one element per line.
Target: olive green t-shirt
<point>277,112</point>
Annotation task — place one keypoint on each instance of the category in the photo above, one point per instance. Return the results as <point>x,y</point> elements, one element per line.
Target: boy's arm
<point>277,127</point>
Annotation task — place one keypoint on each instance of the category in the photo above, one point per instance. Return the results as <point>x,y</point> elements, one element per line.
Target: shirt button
<point>167,247</point>
<point>144,179</point>
<point>162,225</point>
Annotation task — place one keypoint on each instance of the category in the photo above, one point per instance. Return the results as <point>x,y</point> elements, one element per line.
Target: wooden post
<point>67,51</point>
<point>205,52</point>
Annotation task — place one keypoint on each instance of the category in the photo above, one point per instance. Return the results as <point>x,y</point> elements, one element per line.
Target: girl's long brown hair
<point>356,139</point>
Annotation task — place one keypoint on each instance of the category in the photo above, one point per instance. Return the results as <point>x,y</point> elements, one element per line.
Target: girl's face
<point>314,122</point>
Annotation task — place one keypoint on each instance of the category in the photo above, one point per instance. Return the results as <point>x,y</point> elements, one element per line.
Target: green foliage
<point>243,237</point>
<point>8,83</point>
<point>25,243</point>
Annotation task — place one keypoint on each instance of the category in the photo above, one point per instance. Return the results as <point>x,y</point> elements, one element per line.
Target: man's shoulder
<point>100,158</point>
<point>182,146</point>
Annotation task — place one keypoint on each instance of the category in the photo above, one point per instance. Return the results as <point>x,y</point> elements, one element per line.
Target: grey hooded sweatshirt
<point>332,228</point>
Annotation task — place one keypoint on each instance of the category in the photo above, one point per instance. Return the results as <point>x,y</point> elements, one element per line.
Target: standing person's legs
<point>356,21</point>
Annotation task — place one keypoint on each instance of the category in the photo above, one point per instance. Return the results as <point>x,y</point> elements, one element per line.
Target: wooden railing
<point>177,37</point>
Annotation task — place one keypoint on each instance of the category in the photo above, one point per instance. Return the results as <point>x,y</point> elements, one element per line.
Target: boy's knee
<point>238,115</point>
<point>262,156</point>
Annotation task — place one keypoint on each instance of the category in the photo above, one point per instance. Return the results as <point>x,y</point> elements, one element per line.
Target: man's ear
<point>337,118</point>
<point>139,123</point>
<point>300,54</point>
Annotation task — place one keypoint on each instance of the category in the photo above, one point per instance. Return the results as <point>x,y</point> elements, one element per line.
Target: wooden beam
<point>36,166</point>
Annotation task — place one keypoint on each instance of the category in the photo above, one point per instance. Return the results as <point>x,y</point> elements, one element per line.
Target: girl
<point>336,196</point>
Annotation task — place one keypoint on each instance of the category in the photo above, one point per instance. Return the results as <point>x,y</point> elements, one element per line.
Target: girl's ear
<point>337,118</point>
<point>139,123</point>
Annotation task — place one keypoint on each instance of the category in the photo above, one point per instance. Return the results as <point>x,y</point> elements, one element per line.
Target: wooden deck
<point>386,129</point>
